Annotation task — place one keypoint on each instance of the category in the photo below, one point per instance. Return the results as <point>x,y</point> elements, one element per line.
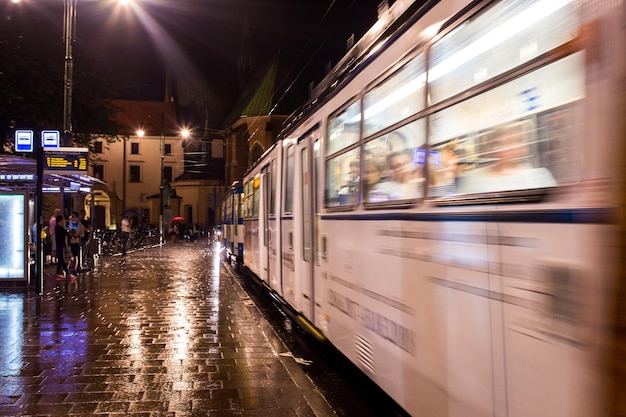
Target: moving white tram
<point>448,211</point>
<point>230,228</point>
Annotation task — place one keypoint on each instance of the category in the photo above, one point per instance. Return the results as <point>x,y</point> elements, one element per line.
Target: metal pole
<point>38,213</point>
<point>69,23</point>
<point>162,152</point>
<point>124,180</point>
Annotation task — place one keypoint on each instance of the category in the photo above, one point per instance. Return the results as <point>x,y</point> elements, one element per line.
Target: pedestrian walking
<point>174,232</point>
<point>76,233</point>
<point>125,234</point>
<point>85,240</point>
<point>52,230</point>
<point>62,246</point>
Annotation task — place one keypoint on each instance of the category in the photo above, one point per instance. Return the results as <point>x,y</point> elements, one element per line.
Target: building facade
<point>131,168</point>
<point>246,140</point>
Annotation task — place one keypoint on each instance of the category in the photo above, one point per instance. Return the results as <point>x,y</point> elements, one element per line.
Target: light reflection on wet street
<point>166,333</point>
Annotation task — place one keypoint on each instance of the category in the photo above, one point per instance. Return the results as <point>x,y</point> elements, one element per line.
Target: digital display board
<point>66,159</point>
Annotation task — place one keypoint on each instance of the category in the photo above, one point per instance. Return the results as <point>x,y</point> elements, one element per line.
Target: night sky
<point>196,42</point>
<point>202,38</point>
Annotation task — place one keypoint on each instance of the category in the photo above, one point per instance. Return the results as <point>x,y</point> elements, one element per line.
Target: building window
<point>135,173</point>
<point>134,148</point>
<point>255,153</point>
<point>168,149</point>
<point>97,147</point>
<point>98,171</point>
<point>167,174</point>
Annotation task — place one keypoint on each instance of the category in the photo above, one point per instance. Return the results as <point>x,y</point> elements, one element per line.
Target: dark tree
<point>32,88</point>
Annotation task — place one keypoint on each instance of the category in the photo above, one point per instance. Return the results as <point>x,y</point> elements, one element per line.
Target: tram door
<point>306,232</point>
<point>264,227</point>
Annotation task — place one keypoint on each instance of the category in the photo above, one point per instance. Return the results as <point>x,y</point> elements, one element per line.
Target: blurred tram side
<point>232,223</point>
<point>263,224</point>
<point>448,210</point>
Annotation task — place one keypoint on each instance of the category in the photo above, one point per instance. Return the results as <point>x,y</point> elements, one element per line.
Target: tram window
<point>240,204</point>
<point>511,161</point>
<point>394,165</point>
<point>343,129</point>
<point>505,36</point>
<point>273,187</point>
<point>249,199</point>
<point>289,180</point>
<point>244,200</point>
<point>228,210</point>
<point>256,199</point>
<point>542,156</point>
<point>557,136</point>
<point>445,170</point>
<point>342,179</point>
<point>396,98</point>
<point>235,215</point>
<point>504,158</point>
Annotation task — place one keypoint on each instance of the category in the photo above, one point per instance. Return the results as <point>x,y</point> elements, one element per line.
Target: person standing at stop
<point>62,240</point>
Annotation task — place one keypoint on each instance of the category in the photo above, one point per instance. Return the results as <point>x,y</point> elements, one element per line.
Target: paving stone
<point>166,334</point>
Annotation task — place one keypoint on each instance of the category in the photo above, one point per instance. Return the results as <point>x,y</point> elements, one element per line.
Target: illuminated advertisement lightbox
<point>13,245</point>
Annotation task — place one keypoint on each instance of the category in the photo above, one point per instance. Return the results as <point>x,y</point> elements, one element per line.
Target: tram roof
<point>18,173</point>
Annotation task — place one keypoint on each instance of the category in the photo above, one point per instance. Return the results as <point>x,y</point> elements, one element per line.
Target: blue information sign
<point>50,139</point>
<point>24,141</point>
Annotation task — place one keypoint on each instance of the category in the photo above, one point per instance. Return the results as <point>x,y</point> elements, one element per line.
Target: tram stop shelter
<point>64,171</point>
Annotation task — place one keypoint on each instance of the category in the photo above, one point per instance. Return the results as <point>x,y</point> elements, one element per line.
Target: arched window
<point>255,153</point>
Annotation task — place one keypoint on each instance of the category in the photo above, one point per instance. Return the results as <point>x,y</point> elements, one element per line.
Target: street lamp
<point>161,176</point>
<point>185,133</point>
<point>69,36</point>
<point>69,23</point>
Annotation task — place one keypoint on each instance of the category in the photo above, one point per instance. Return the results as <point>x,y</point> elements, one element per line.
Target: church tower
<point>244,62</point>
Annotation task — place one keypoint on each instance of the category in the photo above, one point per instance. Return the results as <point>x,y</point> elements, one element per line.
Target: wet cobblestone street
<point>169,332</point>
